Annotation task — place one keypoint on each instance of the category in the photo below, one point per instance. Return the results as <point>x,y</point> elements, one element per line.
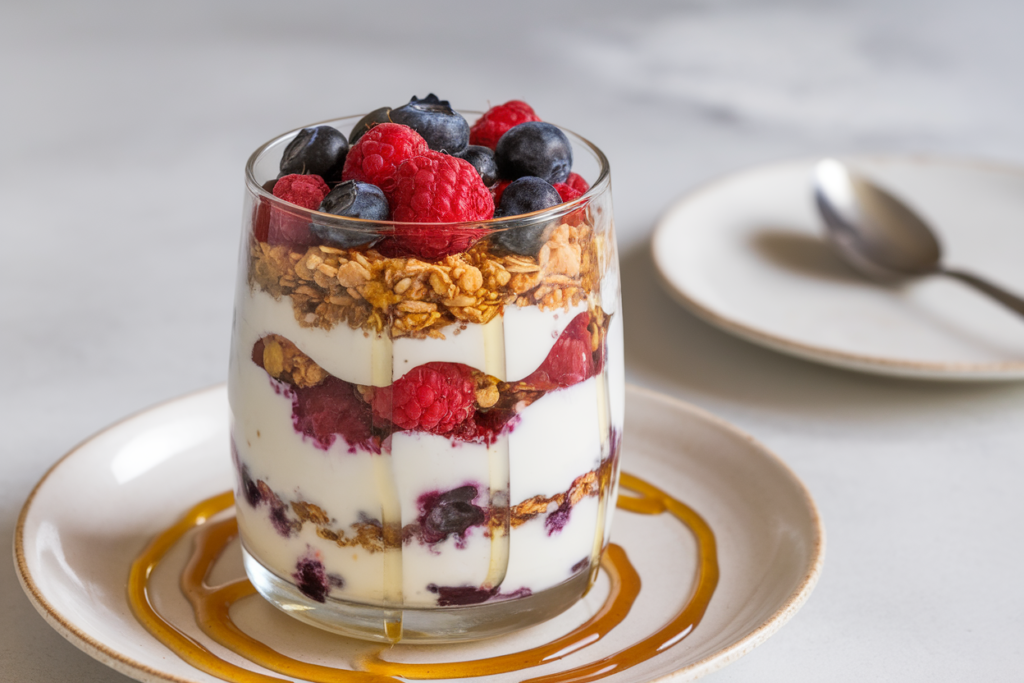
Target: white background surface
<point>125,127</point>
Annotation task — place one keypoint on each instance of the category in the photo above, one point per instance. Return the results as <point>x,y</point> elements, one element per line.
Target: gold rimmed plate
<point>99,506</point>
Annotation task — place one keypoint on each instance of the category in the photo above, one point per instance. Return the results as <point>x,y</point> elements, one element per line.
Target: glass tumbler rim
<point>599,186</point>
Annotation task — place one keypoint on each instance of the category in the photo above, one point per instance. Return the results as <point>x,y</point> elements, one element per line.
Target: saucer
<point>747,254</point>
<point>98,507</point>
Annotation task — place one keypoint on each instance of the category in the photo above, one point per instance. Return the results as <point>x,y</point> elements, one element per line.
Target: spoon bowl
<point>881,237</point>
<point>873,231</point>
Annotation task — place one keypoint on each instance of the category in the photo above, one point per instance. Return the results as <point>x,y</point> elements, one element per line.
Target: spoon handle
<point>997,293</point>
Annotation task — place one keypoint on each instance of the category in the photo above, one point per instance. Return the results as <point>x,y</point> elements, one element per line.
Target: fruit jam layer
<point>408,297</point>
<point>444,398</point>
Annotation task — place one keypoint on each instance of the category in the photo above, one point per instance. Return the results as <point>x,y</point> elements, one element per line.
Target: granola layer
<point>372,536</point>
<point>409,297</point>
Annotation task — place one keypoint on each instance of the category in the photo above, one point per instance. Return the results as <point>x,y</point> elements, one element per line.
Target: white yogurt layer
<point>555,440</point>
<point>527,335</point>
<point>341,351</point>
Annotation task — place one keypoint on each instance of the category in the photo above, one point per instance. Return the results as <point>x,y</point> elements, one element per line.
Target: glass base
<point>416,625</point>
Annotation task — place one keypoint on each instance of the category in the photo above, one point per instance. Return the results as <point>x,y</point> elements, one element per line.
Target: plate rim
<point>80,639</point>
<point>1007,371</point>
<point>717,660</point>
<point>812,573</point>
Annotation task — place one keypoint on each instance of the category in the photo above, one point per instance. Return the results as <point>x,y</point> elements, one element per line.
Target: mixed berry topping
<point>432,169</point>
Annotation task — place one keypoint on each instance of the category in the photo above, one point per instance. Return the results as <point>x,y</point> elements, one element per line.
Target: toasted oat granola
<point>414,298</point>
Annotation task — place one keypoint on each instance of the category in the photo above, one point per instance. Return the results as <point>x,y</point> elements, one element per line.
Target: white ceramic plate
<point>97,508</point>
<point>747,254</point>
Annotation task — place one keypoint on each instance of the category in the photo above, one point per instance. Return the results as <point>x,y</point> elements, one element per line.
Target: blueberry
<point>482,159</point>
<point>450,513</point>
<point>249,488</point>
<point>351,199</point>
<point>442,128</point>
<point>534,148</point>
<point>319,151</point>
<point>312,579</point>
<point>525,195</point>
<point>382,115</point>
<point>354,199</point>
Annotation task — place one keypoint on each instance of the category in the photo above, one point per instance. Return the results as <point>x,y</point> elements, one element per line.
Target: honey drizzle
<point>212,605</point>
<point>499,466</point>
<point>138,597</point>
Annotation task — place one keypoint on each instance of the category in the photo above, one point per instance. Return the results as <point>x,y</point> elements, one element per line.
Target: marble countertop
<point>126,125</point>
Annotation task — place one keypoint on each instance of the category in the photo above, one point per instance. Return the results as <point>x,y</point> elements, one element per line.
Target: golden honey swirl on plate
<point>211,605</point>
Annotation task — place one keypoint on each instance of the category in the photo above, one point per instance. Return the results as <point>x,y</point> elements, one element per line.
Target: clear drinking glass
<point>426,448</point>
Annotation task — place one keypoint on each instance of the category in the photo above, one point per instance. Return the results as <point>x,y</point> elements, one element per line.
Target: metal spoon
<point>880,236</point>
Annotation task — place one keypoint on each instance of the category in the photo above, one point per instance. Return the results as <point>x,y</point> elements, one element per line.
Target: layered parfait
<point>426,378</point>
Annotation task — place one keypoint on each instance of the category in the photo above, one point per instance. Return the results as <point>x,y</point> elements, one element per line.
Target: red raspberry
<point>261,214</point>
<point>331,409</point>
<point>570,360</point>
<point>435,188</point>
<point>379,152</point>
<point>306,191</point>
<point>576,182</point>
<point>567,192</point>
<point>435,397</point>
<point>496,120</point>
<point>499,190</point>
